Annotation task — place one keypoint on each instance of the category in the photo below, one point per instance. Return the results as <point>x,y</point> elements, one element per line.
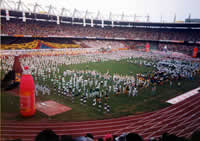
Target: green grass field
<point>121,105</point>
<point>120,67</point>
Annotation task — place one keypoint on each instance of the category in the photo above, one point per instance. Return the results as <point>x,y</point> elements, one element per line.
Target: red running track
<point>181,119</point>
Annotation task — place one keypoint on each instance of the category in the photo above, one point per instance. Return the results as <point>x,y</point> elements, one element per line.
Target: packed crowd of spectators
<point>38,28</point>
<point>97,44</point>
<point>102,44</point>
<point>186,49</point>
<point>50,135</point>
<point>174,47</point>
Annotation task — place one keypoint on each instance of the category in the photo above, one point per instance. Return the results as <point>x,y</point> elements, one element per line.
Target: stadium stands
<point>187,49</point>
<point>103,44</point>
<point>180,40</point>
<point>47,29</point>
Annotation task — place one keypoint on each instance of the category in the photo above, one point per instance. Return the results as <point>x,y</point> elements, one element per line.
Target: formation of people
<point>166,70</point>
<point>52,76</point>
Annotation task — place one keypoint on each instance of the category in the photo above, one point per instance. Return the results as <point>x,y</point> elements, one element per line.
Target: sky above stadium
<point>155,8</point>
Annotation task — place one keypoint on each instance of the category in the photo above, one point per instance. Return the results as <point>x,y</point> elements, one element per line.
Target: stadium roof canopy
<point>20,8</point>
<point>50,9</point>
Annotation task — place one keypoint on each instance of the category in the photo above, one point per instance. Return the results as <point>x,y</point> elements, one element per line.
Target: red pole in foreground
<point>195,52</point>
<point>147,47</point>
<point>27,94</point>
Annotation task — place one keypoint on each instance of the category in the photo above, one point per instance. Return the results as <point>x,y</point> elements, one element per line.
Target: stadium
<point>97,77</point>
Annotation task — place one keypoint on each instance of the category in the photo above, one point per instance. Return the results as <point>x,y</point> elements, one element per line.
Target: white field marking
<point>183,96</point>
<point>43,104</point>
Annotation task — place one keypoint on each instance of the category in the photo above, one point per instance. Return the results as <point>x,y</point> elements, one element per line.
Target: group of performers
<point>52,76</point>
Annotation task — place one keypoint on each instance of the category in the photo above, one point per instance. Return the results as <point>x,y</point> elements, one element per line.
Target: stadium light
<point>50,11</point>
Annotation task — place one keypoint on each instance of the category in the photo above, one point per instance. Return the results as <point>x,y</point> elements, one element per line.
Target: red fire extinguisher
<point>27,94</point>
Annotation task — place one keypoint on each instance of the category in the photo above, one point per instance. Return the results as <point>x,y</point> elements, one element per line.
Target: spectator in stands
<point>195,136</point>
<point>152,139</point>
<point>121,137</point>
<point>66,138</point>
<point>100,139</point>
<point>133,137</point>
<point>88,137</point>
<point>108,137</point>
<point>171,137</point>
<point>164,136</point>
<point>47,135</point>
<point>114,137</point>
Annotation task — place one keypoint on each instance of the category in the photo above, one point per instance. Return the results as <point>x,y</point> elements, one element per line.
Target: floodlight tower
<point>84,18</point>
<point>19,4</point>
<point>111,19</point>
<point>148,18</point>
<point>98,15</point>
<point>51,10</point>
<point>62,11</point>
<point>35,7</point>
<point>65,12</point>
<point>174,18</point>
<point>122,16</point>
<point>189,17</point>
<point>73,15</point>
<point>134,17</point>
